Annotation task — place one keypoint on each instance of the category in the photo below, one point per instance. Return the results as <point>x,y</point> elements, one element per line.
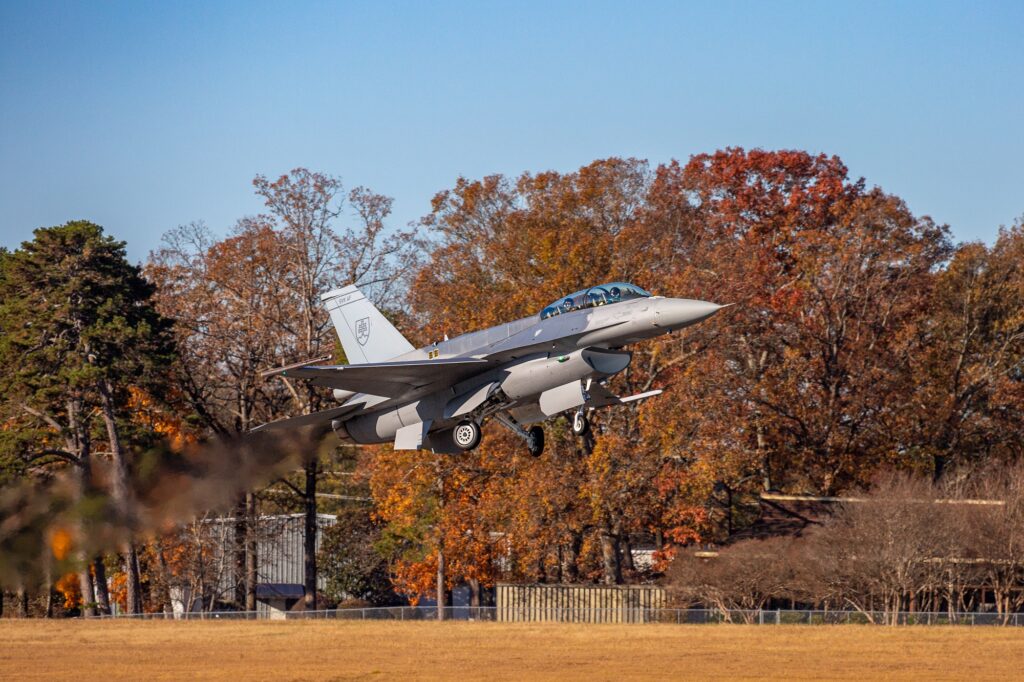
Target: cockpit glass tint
<point>593,297</point>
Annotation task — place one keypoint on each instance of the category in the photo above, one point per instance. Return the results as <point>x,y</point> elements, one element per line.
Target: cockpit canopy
<point>593,297</point>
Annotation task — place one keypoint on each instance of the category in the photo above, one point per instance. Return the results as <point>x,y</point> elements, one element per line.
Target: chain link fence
<point>598,615</point>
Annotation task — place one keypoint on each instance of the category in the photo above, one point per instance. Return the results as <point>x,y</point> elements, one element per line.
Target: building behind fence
<point>280,565</point>
<point>578,603</point>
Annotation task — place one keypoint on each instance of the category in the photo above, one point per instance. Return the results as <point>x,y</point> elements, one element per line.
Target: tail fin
<point>366,335</point>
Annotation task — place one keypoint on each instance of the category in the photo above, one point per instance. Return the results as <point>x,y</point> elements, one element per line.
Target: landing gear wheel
<point>535,441</point>
<point>466,435</point>
<point>580,424</point>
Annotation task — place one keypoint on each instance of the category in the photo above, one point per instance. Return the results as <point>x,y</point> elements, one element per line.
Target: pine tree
<point>78,330</point>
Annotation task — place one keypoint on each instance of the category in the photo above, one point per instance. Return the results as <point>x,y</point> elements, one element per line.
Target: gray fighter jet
<point>517,374</point>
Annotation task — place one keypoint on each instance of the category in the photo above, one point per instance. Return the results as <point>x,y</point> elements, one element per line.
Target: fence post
<point>778,617</point>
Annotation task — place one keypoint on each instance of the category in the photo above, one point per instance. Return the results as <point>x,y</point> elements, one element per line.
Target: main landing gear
<point>534,437</point>
<point>466,435</point>
<point>535,441</point>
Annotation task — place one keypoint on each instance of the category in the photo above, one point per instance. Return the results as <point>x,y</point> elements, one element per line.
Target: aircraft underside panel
<point>411,437</point>
<point>547,384</point>
<point>557,400</point>
<point>467,402</point>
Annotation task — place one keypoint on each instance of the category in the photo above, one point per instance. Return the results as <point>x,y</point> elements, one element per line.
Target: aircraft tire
<point>580,424</point>
<point>535,441</point>
<point>466,435</point>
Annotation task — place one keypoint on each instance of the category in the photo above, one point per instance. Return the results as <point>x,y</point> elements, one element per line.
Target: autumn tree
<point>744,578</point>
<point>223,297</point>
<point>828,279</point>
<point>996,532</point>
<point>518,245</point>
<point>303,210</point>
<point>967,397</point>
<point>251,302</point>
<point>349,562</point>
<point>805,374</point>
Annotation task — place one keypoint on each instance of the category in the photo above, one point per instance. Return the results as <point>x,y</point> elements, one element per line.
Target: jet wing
<point>390,379</point>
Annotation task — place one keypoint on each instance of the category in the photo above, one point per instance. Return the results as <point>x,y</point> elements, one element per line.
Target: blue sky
<point>143,116</point>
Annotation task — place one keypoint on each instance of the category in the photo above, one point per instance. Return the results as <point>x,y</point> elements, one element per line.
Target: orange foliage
<point>118,587</point>
<point>69,588</point>
<point>60,543</point>
<point>791,388</point>
<point>162,422</point>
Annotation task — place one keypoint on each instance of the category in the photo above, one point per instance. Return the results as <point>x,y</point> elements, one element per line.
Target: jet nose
<point>676,313</point>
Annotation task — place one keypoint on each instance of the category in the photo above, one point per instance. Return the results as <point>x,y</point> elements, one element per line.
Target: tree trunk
<point>309,541</point>
<point>21,603</point>
<point>165,579</point>
<point>442,594</point>
<point>85,585</point>
<point>570,557</point>
<point>120,483</point>
<point>240,545</point>
<point>474,592</point>
<point>627,554</point>
<point>102,592</point>
<point>133,585</point>
<point>442,578</point>
<point>48,586</point>
<point>79,440</point>
<point>610,558</point>
<point>728,512</point>
<point>121,494</point>
<point>766,461</point>
<point>250,552</point>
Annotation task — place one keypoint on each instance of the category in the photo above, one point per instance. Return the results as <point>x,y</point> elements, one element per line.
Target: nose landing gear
<point>580,423</point>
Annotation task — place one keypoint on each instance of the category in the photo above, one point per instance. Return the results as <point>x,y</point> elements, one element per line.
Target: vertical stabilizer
<point>366,335</point>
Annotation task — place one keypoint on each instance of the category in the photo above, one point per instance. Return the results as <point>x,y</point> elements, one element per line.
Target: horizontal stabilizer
<point>309,419</point>
<point>389,379</point>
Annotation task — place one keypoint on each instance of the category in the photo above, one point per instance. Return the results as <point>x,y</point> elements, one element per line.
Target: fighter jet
<point>517,374</point>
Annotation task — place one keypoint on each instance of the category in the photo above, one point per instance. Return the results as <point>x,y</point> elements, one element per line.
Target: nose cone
<point>676,313</point>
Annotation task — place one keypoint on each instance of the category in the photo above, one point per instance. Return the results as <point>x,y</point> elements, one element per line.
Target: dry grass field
<point>318,650</point>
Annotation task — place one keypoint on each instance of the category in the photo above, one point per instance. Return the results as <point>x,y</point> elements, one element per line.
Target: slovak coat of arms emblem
<point>363,331</point>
